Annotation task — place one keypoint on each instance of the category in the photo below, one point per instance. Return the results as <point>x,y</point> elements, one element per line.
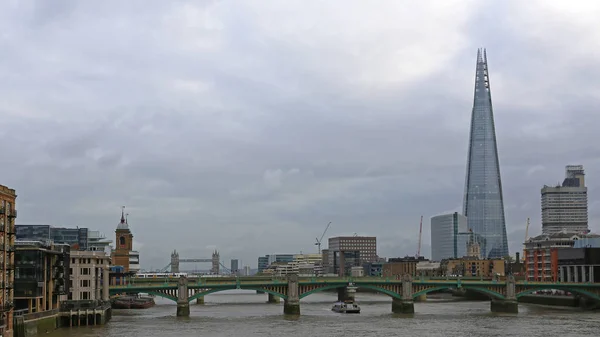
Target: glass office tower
<point>483,203</point>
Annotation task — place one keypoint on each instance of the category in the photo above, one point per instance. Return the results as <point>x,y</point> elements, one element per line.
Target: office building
<point>446,243</point>
<point>579,265</point>
<point>346,252</point>
<point>265,261</point>
<point>42,277</point>
<point>473,267</point>
<point>483,201</point>
<point>77,238</point>
<point>247,271</point>
<point>8,213</point>
<point>123,254</point>
<point>234,266</point>
<point>541,254</point>
<point>565,207</point>
<point>86,272</point>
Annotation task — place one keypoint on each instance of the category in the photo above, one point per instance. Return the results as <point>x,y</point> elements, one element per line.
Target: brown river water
<point>247,314</point>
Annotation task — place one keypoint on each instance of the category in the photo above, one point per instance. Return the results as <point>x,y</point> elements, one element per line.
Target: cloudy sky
<point>247,126</point>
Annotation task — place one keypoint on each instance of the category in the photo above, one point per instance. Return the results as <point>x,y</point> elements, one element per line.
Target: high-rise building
<point>483,203</point>
<point>8,213</point>
<point>445,243</point>
<point>234,266</point>
<point>350,251</point>
<point>565,207</point>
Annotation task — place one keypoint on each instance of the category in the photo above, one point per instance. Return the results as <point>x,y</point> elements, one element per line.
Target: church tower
<point>123,243</point>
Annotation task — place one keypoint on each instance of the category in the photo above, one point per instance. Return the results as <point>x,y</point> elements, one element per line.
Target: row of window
<point>85,260</point>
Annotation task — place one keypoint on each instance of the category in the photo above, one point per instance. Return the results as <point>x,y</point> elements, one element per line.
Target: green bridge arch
<point>574,290</point>
<point>483,291</point>
<point>358,285</point>
<point>163,295</point>
<point>216,290</point>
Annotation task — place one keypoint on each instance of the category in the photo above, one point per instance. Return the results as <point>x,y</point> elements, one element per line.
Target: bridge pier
<point>199,300</point>
<point>183,304</point>
<point>273,299</point>
<point>346,293</point>
<point>291,305</point>
<point>406,304</point>
<point>509,304</point>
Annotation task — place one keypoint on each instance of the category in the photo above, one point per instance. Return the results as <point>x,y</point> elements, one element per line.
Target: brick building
<point>8,213</point>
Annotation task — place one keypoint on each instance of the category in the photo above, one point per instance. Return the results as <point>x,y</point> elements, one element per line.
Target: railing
<point>41,314</point>
<point>20,312</point>
<point>83,305</point>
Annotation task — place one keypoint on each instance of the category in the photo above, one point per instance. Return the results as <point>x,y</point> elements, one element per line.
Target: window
<point>84,283</point>
<point>84,295</point>
<point>85,271</point>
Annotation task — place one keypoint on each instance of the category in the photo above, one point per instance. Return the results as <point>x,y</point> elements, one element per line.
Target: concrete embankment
<point>561,301</point>
<point>551,300</point>
<point>71,313</point>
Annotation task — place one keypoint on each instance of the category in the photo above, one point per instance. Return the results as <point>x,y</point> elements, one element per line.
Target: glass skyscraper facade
<point>483,202</point>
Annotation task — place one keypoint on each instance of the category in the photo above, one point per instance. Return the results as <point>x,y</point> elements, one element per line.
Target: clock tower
<point>123,243</point>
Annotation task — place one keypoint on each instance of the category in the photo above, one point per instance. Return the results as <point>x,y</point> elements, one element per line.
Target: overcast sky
<point>247,126</point>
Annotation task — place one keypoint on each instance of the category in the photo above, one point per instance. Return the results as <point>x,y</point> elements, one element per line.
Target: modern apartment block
<point>43,274</point>
<point>350,251</point>
<point>86,274</point>
<point>483,200</point>
<point>8,213</point>
<point>565,207</point>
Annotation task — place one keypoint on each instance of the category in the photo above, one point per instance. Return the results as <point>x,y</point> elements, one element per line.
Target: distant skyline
<point>248,126</point>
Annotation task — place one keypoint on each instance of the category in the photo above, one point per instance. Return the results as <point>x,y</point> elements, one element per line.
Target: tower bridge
<point>176,261</point>
<point>504,295</point>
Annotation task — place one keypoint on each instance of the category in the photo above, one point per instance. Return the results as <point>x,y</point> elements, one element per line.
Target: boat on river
<point>348,307</point>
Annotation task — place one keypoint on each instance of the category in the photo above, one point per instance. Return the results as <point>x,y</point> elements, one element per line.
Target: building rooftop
<point>562,235</point>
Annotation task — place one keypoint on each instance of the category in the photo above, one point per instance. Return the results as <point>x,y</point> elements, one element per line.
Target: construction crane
<point>420,236</point>
<point>524,242</point>
<point>318,243</point>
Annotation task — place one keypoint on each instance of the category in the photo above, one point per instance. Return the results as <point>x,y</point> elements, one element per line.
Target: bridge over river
<point>504,294</point>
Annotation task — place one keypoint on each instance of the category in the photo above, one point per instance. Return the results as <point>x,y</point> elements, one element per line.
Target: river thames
<point>247,314</point>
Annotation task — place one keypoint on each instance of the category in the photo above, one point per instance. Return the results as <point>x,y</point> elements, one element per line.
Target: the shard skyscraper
<point>483,203</point>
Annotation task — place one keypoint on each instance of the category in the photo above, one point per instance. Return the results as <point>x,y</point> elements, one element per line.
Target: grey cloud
<point>248,127</point>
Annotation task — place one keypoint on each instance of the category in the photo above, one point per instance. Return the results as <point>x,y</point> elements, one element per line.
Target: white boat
<point>346,308</point>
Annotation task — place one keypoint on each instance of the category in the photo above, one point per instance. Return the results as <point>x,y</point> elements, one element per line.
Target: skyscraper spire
<point>483,202</point>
